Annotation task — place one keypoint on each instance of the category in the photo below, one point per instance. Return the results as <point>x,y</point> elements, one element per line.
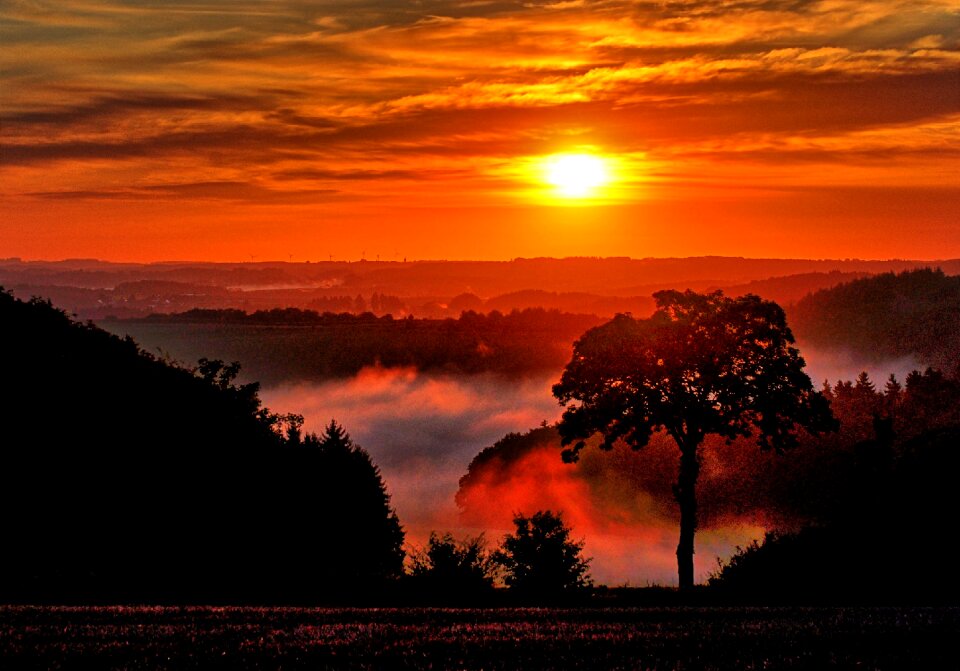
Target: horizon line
<point>80,259</point>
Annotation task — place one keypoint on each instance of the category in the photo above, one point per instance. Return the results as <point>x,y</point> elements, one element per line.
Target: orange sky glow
<point>210,130</point>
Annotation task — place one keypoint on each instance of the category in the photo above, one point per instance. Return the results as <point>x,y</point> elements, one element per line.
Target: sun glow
<point>576,175</point>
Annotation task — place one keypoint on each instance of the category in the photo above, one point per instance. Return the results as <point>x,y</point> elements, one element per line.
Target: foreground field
<point>650,638</point>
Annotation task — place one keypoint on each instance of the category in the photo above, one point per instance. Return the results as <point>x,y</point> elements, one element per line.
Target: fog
<point>423,430</point>
<point>834,365</point>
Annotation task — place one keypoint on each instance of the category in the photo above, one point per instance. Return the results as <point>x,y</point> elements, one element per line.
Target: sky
<point>288,129</point>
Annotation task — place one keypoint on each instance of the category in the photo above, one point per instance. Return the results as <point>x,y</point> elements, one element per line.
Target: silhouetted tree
<point>290,425</point>
<point>350,484</point>
<point>702,364</point>
<point>892,396</point>
<point>334,439</point>
<point>931,399</point>
<point>865,384</point>
<point>540,559</point>
<point>465,303</point>
<point>453,569</point>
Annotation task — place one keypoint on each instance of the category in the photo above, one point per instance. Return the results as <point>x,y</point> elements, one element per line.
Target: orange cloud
<point>323,116</point>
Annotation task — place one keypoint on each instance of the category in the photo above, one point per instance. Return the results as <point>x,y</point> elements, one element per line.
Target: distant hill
<point>423,288</point>
<point>873,318</point>
<point>791,288</point>
<point>782,289</point>
<point>123,477</point>
<point>913,313</point>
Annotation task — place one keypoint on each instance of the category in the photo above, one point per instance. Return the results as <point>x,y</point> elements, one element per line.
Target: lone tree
<point>702,364</point>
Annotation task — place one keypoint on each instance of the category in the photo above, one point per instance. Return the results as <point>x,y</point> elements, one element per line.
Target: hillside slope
<point>125,478</point>
<point>913,313</point>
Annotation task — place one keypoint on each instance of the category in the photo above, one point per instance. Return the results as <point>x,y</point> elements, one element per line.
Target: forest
<point>292,344</point>
<point>849,510</point>
<point>887,316</point>
<point>126,478</point>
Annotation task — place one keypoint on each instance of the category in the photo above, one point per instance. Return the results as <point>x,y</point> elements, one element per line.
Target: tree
<point>334,440</point>
<point>892,395</point>
<point>702,364</point>
<point>349,488</point>
<point>541,560</point>
<point>450,568</point>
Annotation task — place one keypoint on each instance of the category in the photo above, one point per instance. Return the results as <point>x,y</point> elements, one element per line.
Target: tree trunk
<point>685,494</point>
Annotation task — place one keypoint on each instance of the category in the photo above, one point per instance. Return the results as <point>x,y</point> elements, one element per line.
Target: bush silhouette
<point>452,570</point>
<point>540,559</point>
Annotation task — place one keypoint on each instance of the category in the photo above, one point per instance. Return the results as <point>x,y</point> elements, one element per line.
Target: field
<point>610,638</point>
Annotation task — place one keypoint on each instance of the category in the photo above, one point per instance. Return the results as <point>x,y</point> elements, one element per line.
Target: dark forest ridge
<point>154,482</point>
<point>284,345</point>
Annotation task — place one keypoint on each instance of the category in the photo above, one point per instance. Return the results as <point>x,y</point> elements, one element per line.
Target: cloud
<point>239,191</point>
<point>430,100</point>
<point>118,104</point>
<point>361,175</point>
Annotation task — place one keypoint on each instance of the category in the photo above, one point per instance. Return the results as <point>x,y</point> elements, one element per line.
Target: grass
<point>124,637</point>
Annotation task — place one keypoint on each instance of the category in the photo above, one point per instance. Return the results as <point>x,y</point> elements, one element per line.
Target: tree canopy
<point>702,364</point>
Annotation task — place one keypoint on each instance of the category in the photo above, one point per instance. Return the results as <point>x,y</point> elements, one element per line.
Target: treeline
<point>915,313</point>
<point>888,316</point>
<point>291,344</point>
<point>274,316</point>
<point>381,304</point>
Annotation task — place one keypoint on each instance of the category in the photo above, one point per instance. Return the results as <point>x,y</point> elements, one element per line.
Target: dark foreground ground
<point>418,638</point>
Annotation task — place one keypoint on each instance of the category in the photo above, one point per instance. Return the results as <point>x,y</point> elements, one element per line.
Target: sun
<point>576,175</point>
